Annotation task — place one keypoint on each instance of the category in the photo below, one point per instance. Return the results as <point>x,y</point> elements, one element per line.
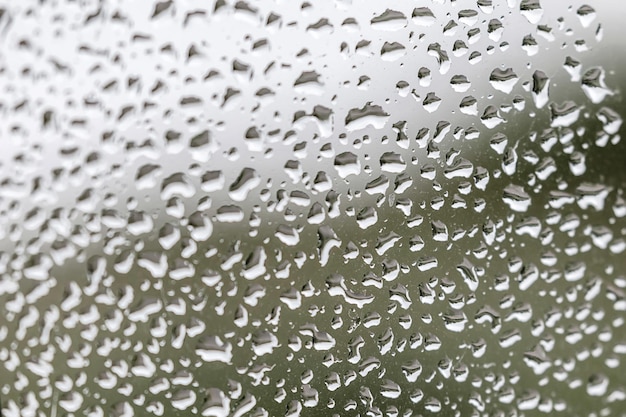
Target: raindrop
<point>390,20</point>
<point>368,115</point>
<point>516,198</point>
<point>247,180</point>
<point>586,15</point>
<point>564,114</point>
<point>423,16</point>
<point>503,80</point>
<point>593,85</point>
<point>531,10</point>
<point>541,83</point>
<point>346,164</point>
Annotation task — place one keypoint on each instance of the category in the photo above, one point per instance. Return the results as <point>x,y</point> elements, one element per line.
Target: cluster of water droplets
<point>278,208</point>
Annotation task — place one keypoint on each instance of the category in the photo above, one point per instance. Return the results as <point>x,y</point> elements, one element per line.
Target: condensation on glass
<point>329,208</point>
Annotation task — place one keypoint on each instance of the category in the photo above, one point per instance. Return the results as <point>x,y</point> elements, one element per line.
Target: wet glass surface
<point>327,208</point>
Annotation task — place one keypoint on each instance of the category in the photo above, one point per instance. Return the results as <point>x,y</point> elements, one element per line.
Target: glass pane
<point>325,208</point>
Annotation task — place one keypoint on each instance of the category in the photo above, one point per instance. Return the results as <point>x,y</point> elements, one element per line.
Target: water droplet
<point>541,84</point>
<point>593,85</point>
<point>423,16</point>
<point>247,180</point>
<point>390,20</point>
<point>597,385</point>
<point>347,163</point>
<point>491,117</point>
<point>531,10</point>
<point>586,15</point>
<point>564,114</point>
<point>368,115</point>
<point>503,79</point>
<point>516,198</point>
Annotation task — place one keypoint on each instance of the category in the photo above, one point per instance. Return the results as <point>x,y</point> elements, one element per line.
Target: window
<point>326,208</point>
